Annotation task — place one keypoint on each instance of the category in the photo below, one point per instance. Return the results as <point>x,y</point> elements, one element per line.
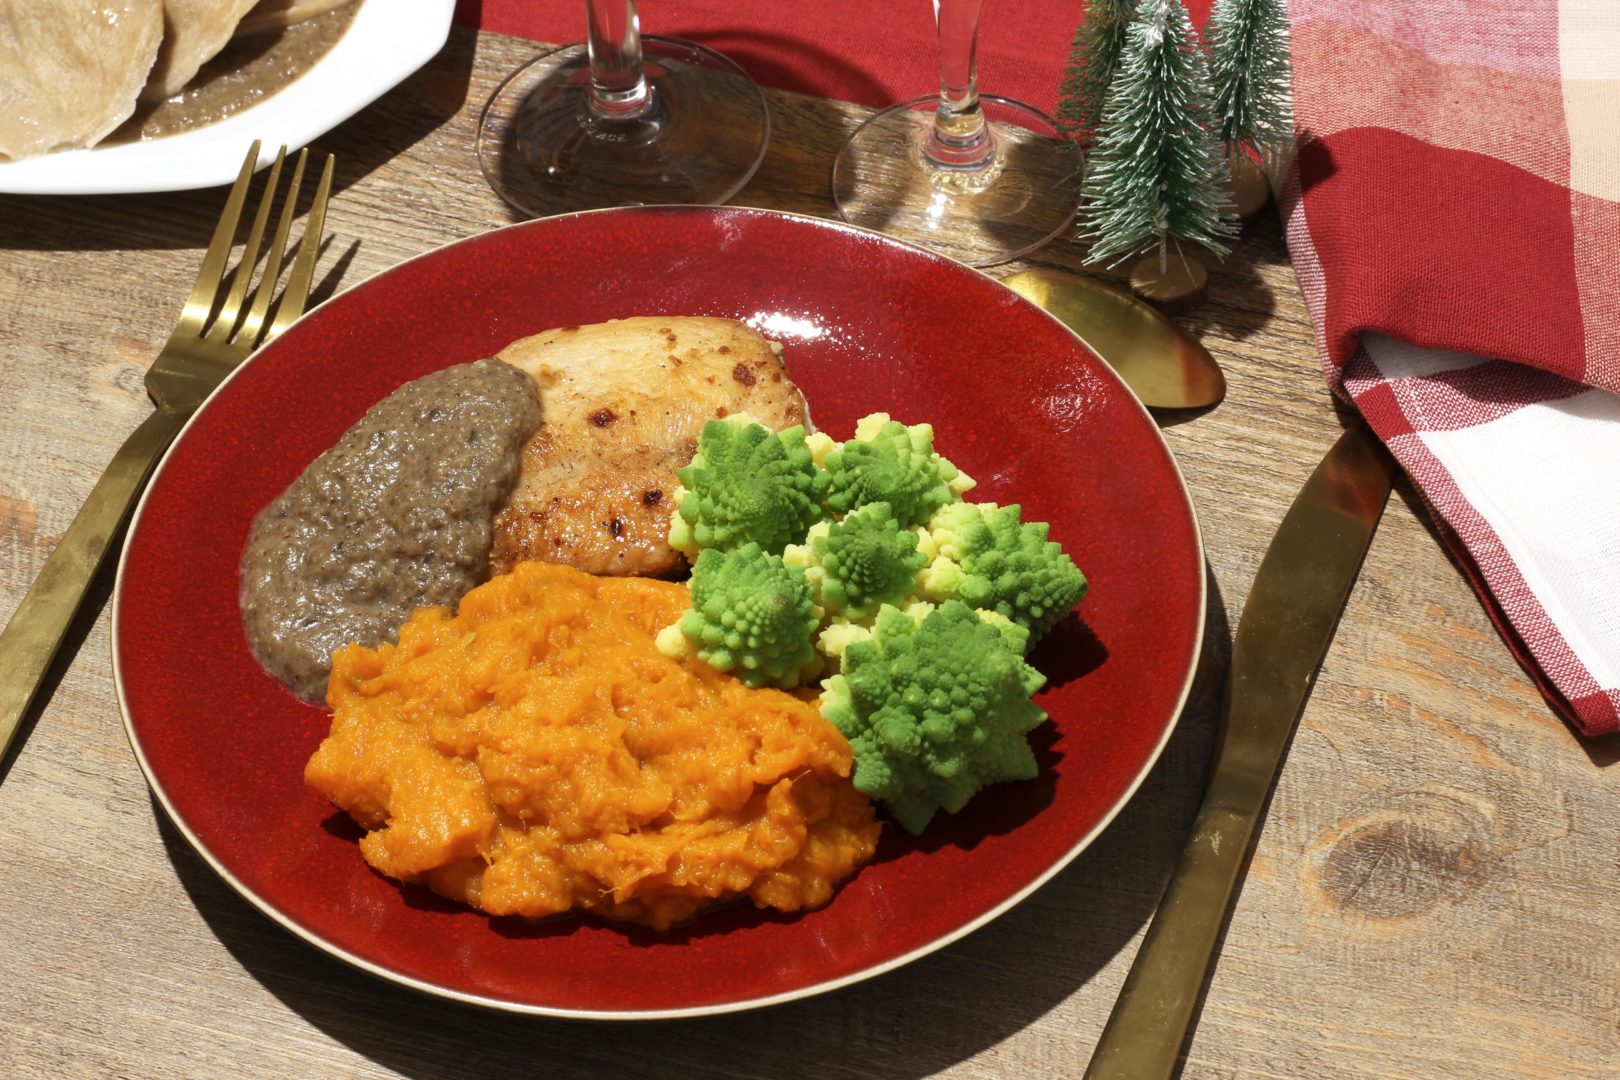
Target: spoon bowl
<point>1163,366</point>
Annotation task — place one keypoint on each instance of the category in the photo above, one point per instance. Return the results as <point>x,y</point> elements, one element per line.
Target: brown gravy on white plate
<point>251,68</point>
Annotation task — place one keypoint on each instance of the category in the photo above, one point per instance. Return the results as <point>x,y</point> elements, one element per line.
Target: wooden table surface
<point>1432,893</point>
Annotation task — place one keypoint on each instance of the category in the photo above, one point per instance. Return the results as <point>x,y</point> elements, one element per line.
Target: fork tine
<point>249,333</point>
<point>201,300</point>
<point>294,296</point>
<point>225,321</point>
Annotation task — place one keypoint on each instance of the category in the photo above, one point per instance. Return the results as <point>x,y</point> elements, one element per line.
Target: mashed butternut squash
<point>536,753</point>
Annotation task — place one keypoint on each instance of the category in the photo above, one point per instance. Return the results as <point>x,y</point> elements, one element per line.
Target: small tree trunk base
<point>1180,288</point>
<point>1248,189</point>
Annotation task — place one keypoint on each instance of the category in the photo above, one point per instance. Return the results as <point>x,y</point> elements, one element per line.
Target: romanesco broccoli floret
<point>820,444</point>
<point>837,635</point>
<point>751,615</point>
<point>859,563</point>
<point>1015,636</point>
<point>983,555</point>
<point>935,706</point>
<point>746,484</point>
<point>840,631</point>
<point>889,462</point>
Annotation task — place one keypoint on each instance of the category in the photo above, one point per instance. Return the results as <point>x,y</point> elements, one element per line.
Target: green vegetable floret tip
<point>935,704</point>
<point>985,556</point>
<point>891,463</point>
<point>858,564</point>
<point>751,615</point>
<point>839,632</point>
<point>746,484</point>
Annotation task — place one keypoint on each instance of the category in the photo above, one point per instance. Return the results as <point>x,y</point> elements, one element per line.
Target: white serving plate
<point>387,41</point>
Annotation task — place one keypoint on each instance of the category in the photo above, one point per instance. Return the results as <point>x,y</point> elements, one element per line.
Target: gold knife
<point>1288,621</point>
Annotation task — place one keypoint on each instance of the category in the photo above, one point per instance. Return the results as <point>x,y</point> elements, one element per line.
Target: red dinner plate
<point>869,324</point>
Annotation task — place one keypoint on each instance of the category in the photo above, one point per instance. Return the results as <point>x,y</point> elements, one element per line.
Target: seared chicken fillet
<point>622,404</point>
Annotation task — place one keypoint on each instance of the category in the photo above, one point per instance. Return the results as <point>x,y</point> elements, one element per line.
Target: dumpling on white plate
<point>70,71</point>
<point>193,31</point>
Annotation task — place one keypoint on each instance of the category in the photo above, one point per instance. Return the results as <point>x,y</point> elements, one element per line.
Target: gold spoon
<point>1162,366</point>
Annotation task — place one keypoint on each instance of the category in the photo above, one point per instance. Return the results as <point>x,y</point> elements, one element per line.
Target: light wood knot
<point>19,522</point>
<point>131,380</point>
<point>1425,849</point>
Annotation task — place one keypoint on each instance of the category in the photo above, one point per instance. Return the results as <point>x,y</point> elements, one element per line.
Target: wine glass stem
<point>959,140</point>
<point>619,87</point>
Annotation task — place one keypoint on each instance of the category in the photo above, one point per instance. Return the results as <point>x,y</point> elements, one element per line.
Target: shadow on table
<point>1240,303</point>
<point>185,219</point>
<point>943,1009</point>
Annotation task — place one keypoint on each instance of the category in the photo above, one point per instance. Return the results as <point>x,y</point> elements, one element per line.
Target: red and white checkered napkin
<point>1454,218</point>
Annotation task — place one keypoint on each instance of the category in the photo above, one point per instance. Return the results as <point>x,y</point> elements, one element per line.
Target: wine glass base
<point>882,181</point>
<point>546,151</point>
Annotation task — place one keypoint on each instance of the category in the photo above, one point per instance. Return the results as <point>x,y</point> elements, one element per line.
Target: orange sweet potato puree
<point>535,753</point>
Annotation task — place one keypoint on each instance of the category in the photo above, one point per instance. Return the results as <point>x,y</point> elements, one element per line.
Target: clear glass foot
<point>698,136</point>
<point>980,212</point>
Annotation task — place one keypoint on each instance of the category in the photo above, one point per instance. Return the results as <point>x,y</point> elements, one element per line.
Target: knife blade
<point>1290,617</point>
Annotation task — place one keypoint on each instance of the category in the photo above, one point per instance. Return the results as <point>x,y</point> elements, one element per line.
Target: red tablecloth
<point>874,54</point>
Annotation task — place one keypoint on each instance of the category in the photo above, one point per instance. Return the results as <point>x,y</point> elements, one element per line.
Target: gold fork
<point>213,335</point>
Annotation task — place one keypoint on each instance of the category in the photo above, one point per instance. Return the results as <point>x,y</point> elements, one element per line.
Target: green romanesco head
<point>935,706</point>
<point>1014,635</point>
<point>983,555</point>
<point>891,463</point>
<point>751,615</point>
<point>861,562</point>
<point>746,484</point>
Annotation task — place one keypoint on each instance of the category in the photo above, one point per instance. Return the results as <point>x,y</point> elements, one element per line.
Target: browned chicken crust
<point>622,404</point>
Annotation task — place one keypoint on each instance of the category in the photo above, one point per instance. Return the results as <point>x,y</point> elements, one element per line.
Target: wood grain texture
<point>1430,895</point>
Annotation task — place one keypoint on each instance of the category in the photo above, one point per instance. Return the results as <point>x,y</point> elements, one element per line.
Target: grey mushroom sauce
<point>395,516</point>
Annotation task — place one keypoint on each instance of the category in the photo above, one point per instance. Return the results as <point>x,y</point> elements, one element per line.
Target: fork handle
<point>35,632</point>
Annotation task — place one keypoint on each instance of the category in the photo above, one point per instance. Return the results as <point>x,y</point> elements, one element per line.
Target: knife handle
<point>1143,1036</point>
<point>1288,622</point>
<point>30,640</point>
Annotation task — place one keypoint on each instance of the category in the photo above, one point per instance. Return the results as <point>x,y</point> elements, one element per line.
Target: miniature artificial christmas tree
<point>1093,59</point>
<point>1249,68</point>
<point>1158,168</point>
